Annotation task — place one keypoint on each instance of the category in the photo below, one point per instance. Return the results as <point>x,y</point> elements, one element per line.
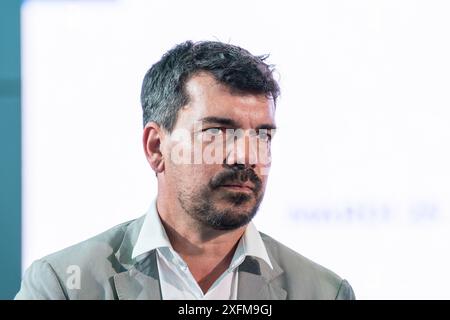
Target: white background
<point>360,181</point>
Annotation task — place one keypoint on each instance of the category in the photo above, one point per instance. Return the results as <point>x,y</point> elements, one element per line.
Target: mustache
<point>230,176</point>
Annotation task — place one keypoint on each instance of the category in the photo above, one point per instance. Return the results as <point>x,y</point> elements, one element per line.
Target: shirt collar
<point>153,236</point>
<point>250,244</point>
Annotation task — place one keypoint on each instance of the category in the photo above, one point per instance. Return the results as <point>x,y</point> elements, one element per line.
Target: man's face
<point>219,154</point>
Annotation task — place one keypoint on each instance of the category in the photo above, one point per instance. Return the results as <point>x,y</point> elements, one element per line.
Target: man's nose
<point>243,150</point>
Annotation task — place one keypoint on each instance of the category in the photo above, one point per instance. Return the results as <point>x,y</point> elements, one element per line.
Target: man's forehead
<point>203,85</point>
<point>198,84</point>
<point>210,100</point>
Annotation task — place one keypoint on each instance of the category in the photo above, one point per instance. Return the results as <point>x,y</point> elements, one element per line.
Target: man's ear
<point>151,140</point>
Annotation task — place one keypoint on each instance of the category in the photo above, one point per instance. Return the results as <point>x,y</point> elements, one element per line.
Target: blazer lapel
<point>138,279</point>
<point>255,281</point>
<point>140,282</point>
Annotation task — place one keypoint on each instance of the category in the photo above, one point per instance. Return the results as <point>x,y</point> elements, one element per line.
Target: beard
<point>240,207</point>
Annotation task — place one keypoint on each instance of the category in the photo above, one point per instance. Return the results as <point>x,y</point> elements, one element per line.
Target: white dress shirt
<point>175,278</point>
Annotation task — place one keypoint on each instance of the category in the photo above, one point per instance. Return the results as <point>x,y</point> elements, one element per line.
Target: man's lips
<point>239,187</point>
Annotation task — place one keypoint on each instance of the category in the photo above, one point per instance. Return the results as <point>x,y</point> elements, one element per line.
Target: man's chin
<point>231,221</point>
<point>230,216</point>
<point>220,209</point>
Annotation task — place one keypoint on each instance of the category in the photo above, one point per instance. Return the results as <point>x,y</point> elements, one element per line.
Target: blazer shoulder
<point>304,278</point>
<point>98,247</point>
<point>93,261</point>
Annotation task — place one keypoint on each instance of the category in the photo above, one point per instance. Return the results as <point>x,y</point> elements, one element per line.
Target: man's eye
<point>264,135</point>
<point>213,131</point>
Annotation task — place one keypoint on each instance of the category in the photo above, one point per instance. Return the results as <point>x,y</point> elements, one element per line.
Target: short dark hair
<point>163,89</point>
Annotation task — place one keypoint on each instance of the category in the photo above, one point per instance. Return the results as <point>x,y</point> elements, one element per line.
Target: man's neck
<point>207,252</point>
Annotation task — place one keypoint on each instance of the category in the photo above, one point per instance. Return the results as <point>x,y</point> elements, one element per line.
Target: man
<point>208,111</point>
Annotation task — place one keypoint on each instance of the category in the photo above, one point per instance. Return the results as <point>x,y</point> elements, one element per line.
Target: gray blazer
<point>106,271</point>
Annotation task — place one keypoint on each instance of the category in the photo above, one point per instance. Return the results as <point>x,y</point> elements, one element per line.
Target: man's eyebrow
<point>219,120</point>
<point>267,126</point>
<point>232,123</point>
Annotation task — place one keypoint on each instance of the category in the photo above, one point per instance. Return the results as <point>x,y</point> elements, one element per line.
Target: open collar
<point>153,236</point>
<point>139,278</point>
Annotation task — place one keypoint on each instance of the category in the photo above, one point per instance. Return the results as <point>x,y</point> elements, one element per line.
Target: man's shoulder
<point>83,270</point>
<point>99,247</point>
<point>304,278</point>
<point>287,258</point>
